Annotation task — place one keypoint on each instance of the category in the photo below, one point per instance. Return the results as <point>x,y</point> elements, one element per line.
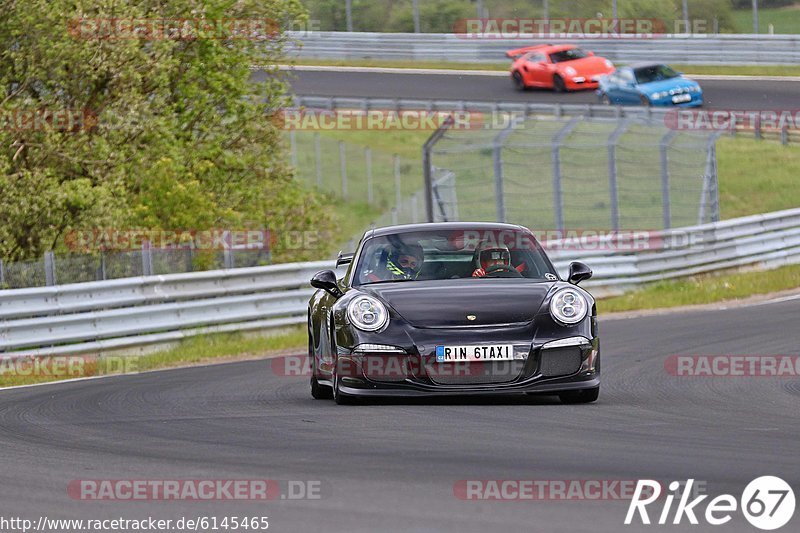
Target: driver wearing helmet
<point>403,262</point>
<point>491,258</point>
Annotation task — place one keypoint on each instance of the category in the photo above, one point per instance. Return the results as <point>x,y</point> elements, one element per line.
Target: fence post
<point>293,143</point>
<point>555,156</point>
<point>398,195</point>
<point>318,158</point>
<point>612,173</point>
<point>343,168</point>
<point>785,134</point>
<point>427,164</point>
<point>49,268</point>
<point>103,274</point>
<point>227,258</point>
<point>757,127</point>
<point>394,216</point>
<point>2,275</point>
<point>368,161</point>
<point>497,164</point>
<point>414,211</point>
<point>665,200</point>
<point>147,259</point>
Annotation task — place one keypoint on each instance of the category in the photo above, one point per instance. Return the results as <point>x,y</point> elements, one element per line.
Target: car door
<point>627,90</point>
<point>534,69</point>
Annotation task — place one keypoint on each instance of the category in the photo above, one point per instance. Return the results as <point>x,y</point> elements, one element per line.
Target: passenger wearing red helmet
<point>494,260</point>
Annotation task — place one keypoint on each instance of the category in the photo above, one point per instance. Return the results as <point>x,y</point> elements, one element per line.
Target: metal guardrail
<point>135,312</point>
<point>720,49</point>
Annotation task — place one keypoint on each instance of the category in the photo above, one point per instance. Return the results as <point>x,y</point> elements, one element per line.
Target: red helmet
<point>487,252</point>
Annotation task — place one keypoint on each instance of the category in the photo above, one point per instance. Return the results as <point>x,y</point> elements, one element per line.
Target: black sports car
<point>450,309</point>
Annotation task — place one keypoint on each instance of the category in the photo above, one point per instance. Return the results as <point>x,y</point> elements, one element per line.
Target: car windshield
<point>452,254</point>
<point>654,73</point>
<point>568,55</point>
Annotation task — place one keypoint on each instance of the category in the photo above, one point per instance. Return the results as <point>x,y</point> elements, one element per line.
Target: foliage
<point>171,133</point>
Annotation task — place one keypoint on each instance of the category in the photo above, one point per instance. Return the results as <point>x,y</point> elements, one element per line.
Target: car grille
<point>482,373</point>
<point>560,361</point>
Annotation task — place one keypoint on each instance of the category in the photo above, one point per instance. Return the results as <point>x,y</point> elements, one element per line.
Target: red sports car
<point>563,67</point>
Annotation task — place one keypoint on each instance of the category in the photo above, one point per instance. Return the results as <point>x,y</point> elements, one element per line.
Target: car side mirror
<point>591,53</point>
<point>326,280</point>
<point>578,272</point>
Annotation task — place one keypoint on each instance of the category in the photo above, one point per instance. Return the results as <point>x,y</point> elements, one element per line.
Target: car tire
<point>558,84</point>
<point>519,83</point>
<point>338,397</point>
<point>605,99</point>
<point>580,396</point>
<point>645,101</point>
<point>318,391</point>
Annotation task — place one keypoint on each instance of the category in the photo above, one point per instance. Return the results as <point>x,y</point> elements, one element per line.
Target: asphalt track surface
<point>718,94</point>
<point>391,466</point>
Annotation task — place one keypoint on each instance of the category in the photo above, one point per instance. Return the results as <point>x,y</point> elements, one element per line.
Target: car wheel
<point>318,391</point>
<point>558,84</point>
<point>580,396</point>
<point>338,397</point>
<point>646,101</point>
<point>605,100</point>
<point>519,83</point>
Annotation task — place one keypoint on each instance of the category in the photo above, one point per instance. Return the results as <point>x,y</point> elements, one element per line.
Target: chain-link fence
<point>555,173</point>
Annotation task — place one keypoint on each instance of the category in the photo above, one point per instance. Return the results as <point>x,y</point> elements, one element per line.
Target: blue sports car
<point>649,84</point>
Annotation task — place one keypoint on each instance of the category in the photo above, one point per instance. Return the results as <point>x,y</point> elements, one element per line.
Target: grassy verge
<point>703,289</point>
<point>200,349</point>
<point>735,70</point>
<point>783,19</point>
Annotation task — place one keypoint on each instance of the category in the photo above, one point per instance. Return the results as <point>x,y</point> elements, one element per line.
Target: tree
<point>170,131</point>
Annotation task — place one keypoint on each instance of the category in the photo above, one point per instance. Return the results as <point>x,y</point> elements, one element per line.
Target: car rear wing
<point>519,52</point>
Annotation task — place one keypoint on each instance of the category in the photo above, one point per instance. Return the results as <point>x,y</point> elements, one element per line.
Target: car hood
<point>665,85</point>
<point>587,66</point>
<point>446,304</point>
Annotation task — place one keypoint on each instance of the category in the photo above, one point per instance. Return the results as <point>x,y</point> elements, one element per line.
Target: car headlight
<point>367,313</point>
<point>569,71</point>
<point>658,96</point>
<point>609,64</point>
<point>568,306</point>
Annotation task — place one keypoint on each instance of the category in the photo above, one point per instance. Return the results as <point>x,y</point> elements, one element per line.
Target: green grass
<point>703,289</point>
<point>783,19</point>
<point>738,70</point>
<point>757,176</point>
<point>199,349</point>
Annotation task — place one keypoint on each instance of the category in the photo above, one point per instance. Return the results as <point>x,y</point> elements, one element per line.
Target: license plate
<point>680,98</point>
<point>491,352</point>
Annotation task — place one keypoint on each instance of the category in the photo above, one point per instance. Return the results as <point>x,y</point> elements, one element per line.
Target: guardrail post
<point>318,158</point>
<point>227,258</point>
<point>368,162</point>
<point>147,259</point>
<point>343,168</point>
<point>49,268</point>
<point>2,275</point>
<point>665,199</point>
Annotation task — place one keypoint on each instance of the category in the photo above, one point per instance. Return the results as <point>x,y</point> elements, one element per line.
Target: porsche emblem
<point>471,317</point>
